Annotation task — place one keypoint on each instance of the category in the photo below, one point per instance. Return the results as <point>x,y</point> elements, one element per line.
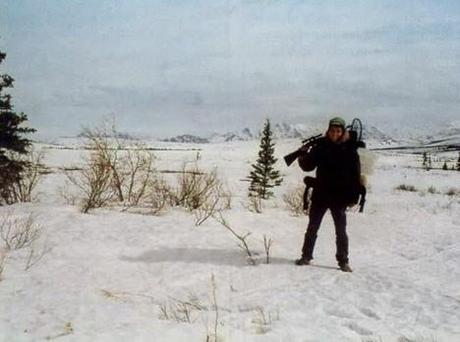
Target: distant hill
<point>281,130</point>
<point>243,135</point>
<point>447,136</point>
<point>447,139</point>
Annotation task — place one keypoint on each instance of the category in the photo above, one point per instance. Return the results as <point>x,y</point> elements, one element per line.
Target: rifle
<point>306,144</point>
<point>355,130</point>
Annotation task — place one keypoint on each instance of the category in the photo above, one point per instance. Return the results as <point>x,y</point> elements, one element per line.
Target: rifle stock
<point>291,157</point>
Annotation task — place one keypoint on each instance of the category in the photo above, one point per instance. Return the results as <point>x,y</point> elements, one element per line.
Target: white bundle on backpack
<point>367,159</point>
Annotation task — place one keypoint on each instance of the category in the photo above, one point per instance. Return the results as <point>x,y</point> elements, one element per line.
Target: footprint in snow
<point>339,313</point>
<point>358,329</point>
<point>369,313</point>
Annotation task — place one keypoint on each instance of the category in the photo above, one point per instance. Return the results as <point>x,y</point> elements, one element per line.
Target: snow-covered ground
<point>112,276</point>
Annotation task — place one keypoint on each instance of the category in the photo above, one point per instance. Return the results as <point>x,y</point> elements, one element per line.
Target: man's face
<point>335,133</point>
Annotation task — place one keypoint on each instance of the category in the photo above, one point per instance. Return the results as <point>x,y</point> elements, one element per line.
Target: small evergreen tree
<point>444,167</point>
<point>458,162</point>
<point>425,160</point>
<point>263,177</point>
<point>12,142</point>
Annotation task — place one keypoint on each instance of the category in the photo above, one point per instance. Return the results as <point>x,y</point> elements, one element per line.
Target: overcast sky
<point>169,67</point>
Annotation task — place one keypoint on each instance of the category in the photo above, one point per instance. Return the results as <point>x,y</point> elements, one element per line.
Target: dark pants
<point>316,215</point>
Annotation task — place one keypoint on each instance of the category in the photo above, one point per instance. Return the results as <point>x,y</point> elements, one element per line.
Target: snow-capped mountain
<point>244,135</point>
<point>452,129</point>
<point>372,133</point>
<point>187,138</point>
<point>446,136</point>
<point>286,131</point>
<point>419,132</point>
<point>302,131</point>
<point>446,139</point>
<point>281,130</point>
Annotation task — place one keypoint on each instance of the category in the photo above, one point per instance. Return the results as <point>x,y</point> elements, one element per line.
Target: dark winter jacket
<point>337,172</point>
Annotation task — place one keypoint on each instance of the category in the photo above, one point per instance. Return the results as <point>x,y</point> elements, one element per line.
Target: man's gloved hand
<point>305,148</point>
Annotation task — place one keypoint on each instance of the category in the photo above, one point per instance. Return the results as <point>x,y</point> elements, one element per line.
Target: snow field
<point>109,274</point>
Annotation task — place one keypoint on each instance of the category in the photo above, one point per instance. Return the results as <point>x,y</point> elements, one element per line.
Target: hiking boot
<point>302,261</point>
<point>345,268</point>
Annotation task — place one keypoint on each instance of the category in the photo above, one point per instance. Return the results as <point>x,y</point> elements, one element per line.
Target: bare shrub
<point>268,242</point>
<point>206,210</point>
<point>99,180</point>
<point>31,176</point>
<point>4,254</point>
<point>17,233</point>
<point>159,196</point>
<point>21,187</point>
<point>66,191</point>
<point>226,197</point>
<point>218,200</point>
<point>214,336</point>
<point>137,175</point>
<point>406,187</point>
<point>254,204</point>
<point>432,190</point>
<point>195,187</point>
<point>94,182</point>
<point>263,320</point>
<point>453,192</point>
<point>294,200</point>
<point>129,180</point>
<point>242,239</point>
<point>202,193</point>
<point>106,150</point>
<point>181,310</point>
<point>35,254</point>
<point>119,175</point>
<point>66,330</point>
<point>190,309</point>
<point>114,172</point>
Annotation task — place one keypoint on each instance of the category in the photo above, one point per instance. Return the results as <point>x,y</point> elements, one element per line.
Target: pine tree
<point>425,160</point>
<point>12,141</point>
<point>429,165</point>
<point>263,177</point>
<point>458,162</point>
<point>444,166</point>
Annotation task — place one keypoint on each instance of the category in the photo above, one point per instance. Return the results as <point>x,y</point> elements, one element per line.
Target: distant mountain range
<point>187,138</point>
<point>447,137</point>
<point>449,134</point>
<point>280,131</point>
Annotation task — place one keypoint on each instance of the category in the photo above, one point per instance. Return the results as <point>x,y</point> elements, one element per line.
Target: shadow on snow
<point>230,257</point>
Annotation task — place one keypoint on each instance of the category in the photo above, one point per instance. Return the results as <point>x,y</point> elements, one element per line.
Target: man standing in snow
<point>337,164</point>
